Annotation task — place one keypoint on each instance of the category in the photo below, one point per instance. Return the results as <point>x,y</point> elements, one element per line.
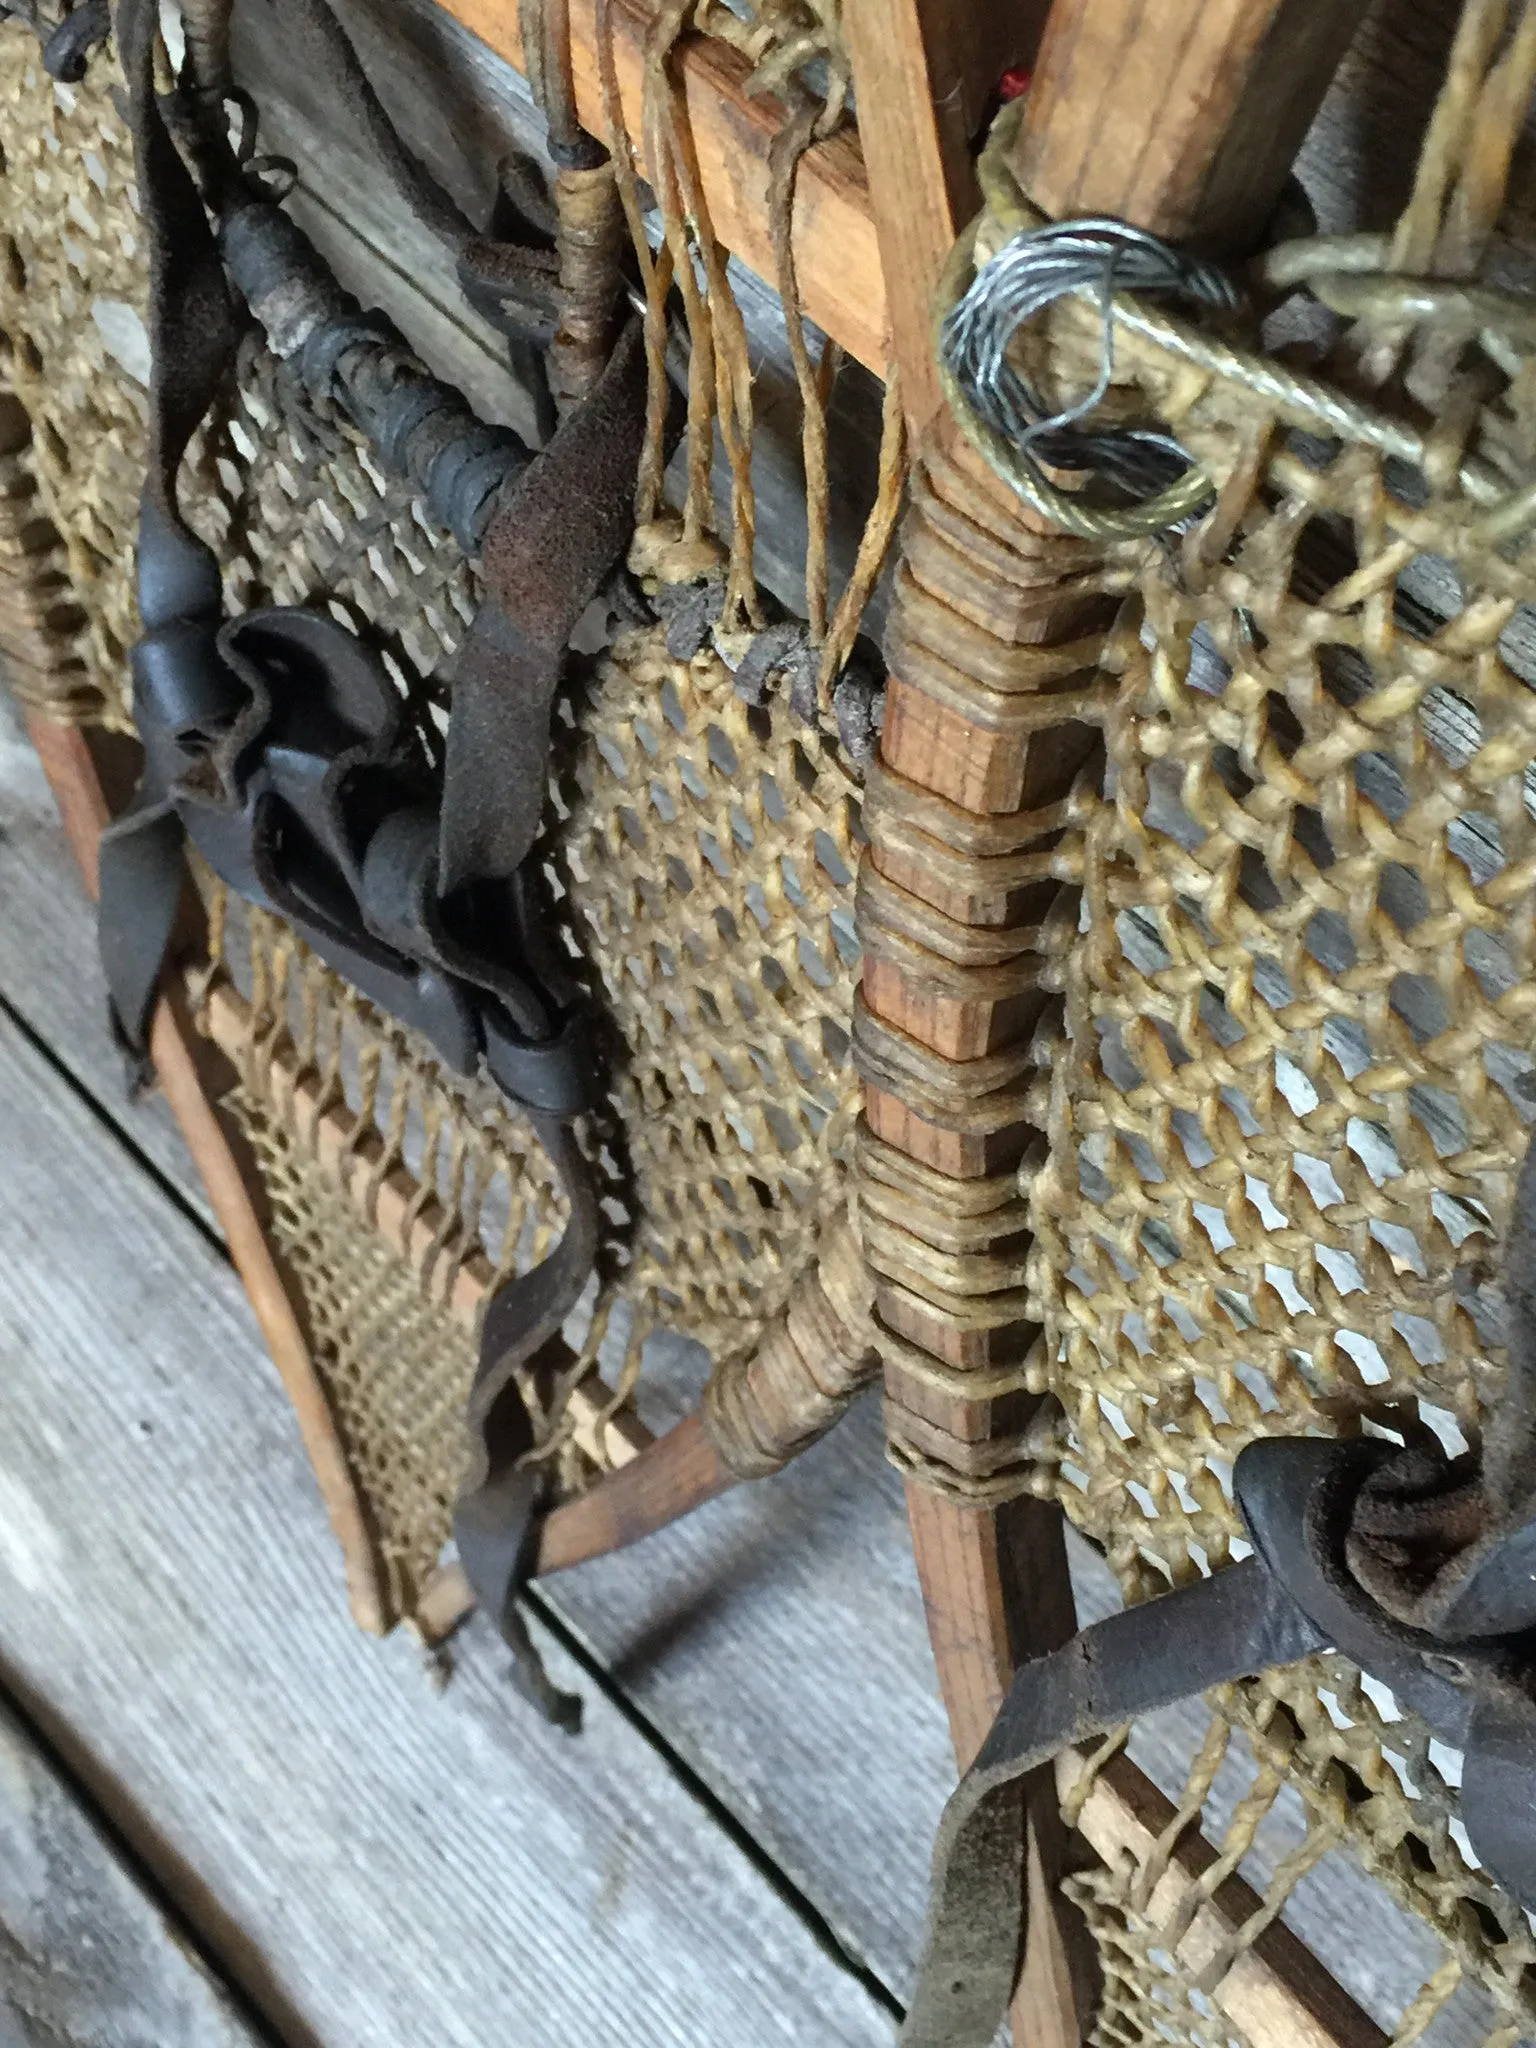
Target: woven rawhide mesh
<point>1287,1109</point>
<point>702,848</point>
<point>708,856</point>
<point>1283,1114</point>
<point>704,859</point>
<point>396,1367</point>
<point>71,289</point>
<point>1338,1811</point>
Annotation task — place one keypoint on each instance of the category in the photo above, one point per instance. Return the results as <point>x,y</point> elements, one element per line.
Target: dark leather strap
<point>67,49</point>
<point>546,554</point>
<point>278,743</point>
<point>1449,1545</point>
<point>494,1521</point>
<point>192,330</point>
<point>141,875</point>
<point>324,50</point>
<point>1148,1657</point>
<point>513,283</point>
<point>1302,1500</point>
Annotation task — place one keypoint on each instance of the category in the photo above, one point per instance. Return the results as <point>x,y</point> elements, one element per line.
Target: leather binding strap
<point>277,743</point>
<point>67,44</point>
<point>1419,1568</point>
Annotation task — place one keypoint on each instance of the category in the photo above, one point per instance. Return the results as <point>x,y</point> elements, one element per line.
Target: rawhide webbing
<point>1418,1567</point>
<point>278,745</point>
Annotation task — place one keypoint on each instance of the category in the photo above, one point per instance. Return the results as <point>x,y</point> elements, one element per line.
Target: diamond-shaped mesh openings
<point>1285,1134</point>
<point>1208,1918</point>
<point>1287,1116</point>
<point>733,1086</point>
<point>709,854</point>
<point>396,1369</point>
<point>1284,1126</point>
<point>1148,2000</point>
<point>704,853</point>
<point>302,514</point>
<point>72,292</point>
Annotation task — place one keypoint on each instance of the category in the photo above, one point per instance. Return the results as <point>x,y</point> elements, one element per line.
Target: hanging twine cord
<point>700,557</point>
<point>807,123</point>
<point>991,409</point>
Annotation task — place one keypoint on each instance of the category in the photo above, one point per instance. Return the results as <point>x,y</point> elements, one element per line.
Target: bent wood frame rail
<point>228,1176</point>
<point>996,1587</point>
<point>995,616</point>
<point>1276,1992</point>
<point>837,261</point>
<point>653,1481</point>
<point>995,1583</point>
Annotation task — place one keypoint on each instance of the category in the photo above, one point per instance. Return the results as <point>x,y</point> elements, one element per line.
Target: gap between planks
<point>718,1625</point>
<point>1275,1990</point>
<point>90,1952</point>
<point>378,1865</point>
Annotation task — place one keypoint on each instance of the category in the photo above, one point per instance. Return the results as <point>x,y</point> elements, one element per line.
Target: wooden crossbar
<point>1275,1990</point>
<point>837,258</point>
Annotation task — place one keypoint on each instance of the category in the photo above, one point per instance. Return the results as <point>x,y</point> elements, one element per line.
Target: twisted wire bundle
<point>1093,256</point>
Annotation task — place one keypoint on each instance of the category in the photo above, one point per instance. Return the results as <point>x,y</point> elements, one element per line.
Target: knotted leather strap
<point>494,1521</point>
<point>278,743</point>
<point>192,333</point>
<point>1419,1568</point>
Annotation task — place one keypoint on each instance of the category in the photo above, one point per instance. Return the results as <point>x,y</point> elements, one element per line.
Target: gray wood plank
<point>777,1640</point>
<point>49,973</point>
<point>401,1866</point>
<point>464,110</point>
<point>775,1637</point>
<point>88,1958</point>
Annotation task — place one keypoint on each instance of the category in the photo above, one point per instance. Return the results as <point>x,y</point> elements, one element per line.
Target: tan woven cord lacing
<point>704,848</point>
<point>1284,1114</point>
<point>797,51</point>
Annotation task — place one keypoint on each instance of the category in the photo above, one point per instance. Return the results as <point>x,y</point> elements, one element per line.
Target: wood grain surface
<point>836,254</point>
<point>401,1866</point>
<point>1184,119</point>
<point>89,1957</point>
<point>464,109</point>
<point>926,73</point>
<point>767,1751</point>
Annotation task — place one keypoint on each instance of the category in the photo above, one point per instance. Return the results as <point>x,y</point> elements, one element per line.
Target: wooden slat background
<point>367,1856</point>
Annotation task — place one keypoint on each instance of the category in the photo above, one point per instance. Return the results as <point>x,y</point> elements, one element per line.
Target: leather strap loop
<point>1134,1663</point>
<point>559,1076</point>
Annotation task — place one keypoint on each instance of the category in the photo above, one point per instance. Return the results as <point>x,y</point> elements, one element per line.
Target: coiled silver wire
<point>1094,255</point>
